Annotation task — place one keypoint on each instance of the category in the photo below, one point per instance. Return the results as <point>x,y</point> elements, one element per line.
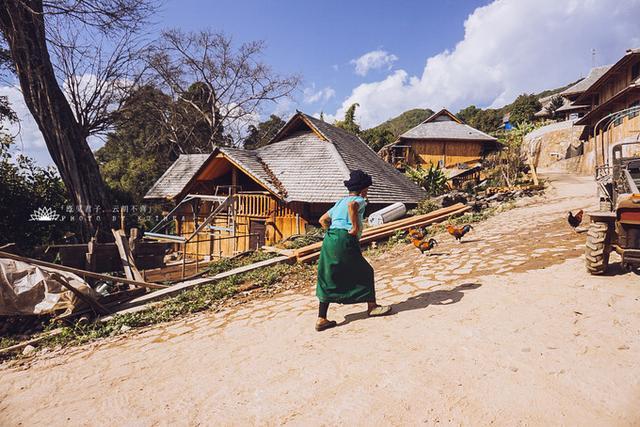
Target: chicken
<point>424,245</point>
<point>458,232</point>
<point>417,233</point>
<point>575,220</point>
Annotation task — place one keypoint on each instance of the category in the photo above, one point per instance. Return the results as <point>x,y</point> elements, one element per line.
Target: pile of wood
<point>312,252</point>
<point>105,257</point>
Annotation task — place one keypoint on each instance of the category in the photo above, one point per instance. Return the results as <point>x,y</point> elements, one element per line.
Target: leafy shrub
<point>432,180</point>
<point>424,207</point>
<point>25,187</point>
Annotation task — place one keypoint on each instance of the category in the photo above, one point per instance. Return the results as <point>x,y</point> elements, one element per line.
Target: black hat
<point>358,180</point>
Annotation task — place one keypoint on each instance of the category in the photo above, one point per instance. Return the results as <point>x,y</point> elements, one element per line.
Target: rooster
<point>458,232</point>
<point>424,245</point>
<point>575,220</point>
<point>417,233</point>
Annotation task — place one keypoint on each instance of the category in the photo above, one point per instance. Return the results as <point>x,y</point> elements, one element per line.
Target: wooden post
<point>234,178</point>
<point>184,257</point>
<point>122,218</point>
<point>126,257</point>
<point>197,250</point>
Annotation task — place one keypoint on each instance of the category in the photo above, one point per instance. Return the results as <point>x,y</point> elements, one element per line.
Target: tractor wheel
<point>597,248</point>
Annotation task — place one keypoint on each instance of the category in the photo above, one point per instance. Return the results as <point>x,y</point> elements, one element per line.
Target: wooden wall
<point>629,126</point>
<point>280,220</point>
<point>450,152</point>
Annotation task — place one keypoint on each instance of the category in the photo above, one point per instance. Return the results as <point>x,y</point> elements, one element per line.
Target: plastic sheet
<point>27,289</point>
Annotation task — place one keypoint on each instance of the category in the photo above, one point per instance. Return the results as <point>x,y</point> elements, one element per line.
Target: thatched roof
<point>307,161</point>
<point>444,125</point>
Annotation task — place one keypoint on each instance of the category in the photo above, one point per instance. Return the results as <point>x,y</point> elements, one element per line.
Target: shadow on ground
<point>440,297</point>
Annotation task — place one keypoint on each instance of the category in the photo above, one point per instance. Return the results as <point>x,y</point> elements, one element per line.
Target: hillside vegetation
<point>487,120</point>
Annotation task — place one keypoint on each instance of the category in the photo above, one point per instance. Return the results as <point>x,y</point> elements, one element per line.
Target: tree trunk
<point>22,23</point>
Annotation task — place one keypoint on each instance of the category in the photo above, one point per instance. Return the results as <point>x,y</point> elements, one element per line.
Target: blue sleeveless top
<point>339,213</point>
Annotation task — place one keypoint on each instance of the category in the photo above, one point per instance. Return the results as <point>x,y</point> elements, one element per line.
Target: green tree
<point>524,108</point>
<point>349,123</point>
<point>143,144</point>
<point>377,137</point>
<point>556,102</point>
<point>487,121</point>
<point>468,114</point>
<point>260,135</point>
<point>25,187</point>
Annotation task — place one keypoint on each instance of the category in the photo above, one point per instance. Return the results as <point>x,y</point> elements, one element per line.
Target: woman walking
<point>344,276</point>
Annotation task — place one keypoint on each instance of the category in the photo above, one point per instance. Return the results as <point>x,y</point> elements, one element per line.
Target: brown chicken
<point>575,220</point>
<point>458,232</point>
<point>417,233</point>
<point>424,245</point>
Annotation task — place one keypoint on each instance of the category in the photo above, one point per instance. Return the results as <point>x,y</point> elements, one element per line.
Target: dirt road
<point>505,329</point>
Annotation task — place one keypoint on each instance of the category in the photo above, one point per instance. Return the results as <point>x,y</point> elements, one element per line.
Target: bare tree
<point>96,79</point>
<point>225,86</point>
<point>27,28</point>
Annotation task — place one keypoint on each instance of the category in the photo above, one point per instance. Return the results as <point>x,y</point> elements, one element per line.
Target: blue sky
<point>312,40</point>
<point>390,56</point>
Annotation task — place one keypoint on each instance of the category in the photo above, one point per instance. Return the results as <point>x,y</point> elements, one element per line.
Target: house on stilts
<point>233,200</point>
<point>442,140</point>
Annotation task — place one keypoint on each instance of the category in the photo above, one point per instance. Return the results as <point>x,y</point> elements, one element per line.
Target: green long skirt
<point>344,276</point>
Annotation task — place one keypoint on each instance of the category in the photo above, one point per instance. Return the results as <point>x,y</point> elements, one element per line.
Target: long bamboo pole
<point>82,273</point>
<point>312,256</point>
<point>393,225</point>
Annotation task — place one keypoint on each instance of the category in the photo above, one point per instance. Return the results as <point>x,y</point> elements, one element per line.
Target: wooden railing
<point>254,204</point>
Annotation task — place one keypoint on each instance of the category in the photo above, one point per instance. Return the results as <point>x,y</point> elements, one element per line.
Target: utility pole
<point>593,57</point>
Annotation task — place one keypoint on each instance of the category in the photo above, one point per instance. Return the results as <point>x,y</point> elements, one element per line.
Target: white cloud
<point>28,138</point>
<point>329,118</point>
<point>509,47</point>
<point>311,95</point>
<point>374,60</point>
<point>285,107</point>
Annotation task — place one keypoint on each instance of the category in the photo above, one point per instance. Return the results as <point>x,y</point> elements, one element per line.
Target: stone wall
<point>555,142</point>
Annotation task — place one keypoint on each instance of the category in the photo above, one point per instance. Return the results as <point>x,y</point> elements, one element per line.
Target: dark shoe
<point>325,325</point>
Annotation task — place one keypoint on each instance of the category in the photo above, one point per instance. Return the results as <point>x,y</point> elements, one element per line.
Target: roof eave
<point>628,56</point>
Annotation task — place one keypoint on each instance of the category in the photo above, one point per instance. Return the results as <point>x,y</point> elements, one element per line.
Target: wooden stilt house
<point>441,140</point>
<point>234,200</point>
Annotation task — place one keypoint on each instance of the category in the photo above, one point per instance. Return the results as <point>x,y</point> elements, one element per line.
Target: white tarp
<point>27,289</point>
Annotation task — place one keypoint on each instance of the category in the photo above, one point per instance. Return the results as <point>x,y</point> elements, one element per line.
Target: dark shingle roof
<point>307,161</point>
<point>308,167</point>
<point>176,178</point>
<point>389,185</point>
<point>254,166</point>
<point>434,128</point>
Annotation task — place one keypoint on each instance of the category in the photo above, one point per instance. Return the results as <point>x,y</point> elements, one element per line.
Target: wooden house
<point>571,110</point>
<point>616,90</point>
<point>272,192</point>
<point>441,140</point>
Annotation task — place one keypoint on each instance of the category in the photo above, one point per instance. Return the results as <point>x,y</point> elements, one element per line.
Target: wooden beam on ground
<point>393,225</point>
<point>126,257</point>
<point>82,273</point>
<point>310,257</point>
<point>144,301</point>
<point>91,302</point>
